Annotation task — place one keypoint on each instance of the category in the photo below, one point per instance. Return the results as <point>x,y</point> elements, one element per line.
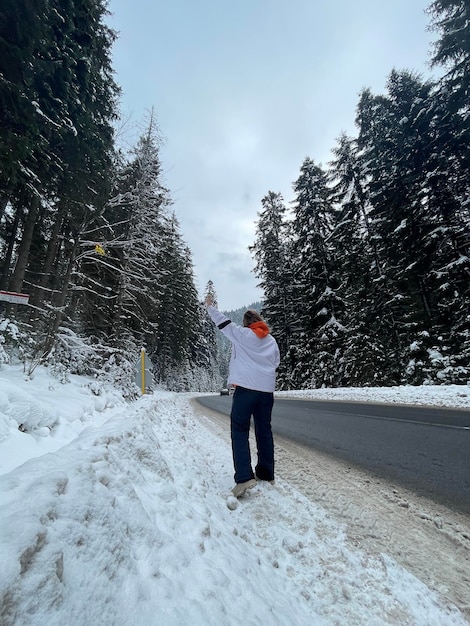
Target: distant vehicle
<point>228,391</point>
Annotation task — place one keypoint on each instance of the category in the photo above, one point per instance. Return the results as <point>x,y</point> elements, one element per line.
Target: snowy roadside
<point>424,537</point>
<point>127,523</point>
<point>452,396</point>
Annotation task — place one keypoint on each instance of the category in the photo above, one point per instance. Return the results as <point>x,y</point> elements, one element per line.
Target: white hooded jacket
<point>254,360</point>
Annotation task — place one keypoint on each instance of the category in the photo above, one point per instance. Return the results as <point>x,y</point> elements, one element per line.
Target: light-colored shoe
<point>240,488</point>
<point>271,482</point>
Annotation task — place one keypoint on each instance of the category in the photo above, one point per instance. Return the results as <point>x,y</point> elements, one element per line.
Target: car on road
<point>228,391</point>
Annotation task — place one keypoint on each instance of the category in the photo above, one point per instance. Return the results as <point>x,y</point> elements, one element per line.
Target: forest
<point>366,275</point>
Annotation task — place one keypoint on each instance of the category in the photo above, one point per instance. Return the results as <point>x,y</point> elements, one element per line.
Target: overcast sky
<point>243,91</point>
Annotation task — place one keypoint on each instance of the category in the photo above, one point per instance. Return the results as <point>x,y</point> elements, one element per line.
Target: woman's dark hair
<point>250,317</point>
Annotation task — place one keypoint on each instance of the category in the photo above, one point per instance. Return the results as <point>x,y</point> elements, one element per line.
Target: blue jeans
<point>259,404</point>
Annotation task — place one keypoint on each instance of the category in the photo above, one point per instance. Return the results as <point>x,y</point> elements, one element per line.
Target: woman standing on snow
<point>253,364</point>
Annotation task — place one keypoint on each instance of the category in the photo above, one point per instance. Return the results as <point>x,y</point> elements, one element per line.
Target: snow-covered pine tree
<point>364,361</point>
<point>122,288</point>
<point>56,139</point>
<point>451,20</point>
<point>388,145</point>
<point>56,143</point>
<point>212,358</point>
<point>271,251</point>
<point>316,347</point>
<point>449,179</point>
<point>400,163</point>
<point>447,189</point>
<point>176,316</point>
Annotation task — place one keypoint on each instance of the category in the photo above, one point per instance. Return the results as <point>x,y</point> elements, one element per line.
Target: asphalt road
<point>424,449</point>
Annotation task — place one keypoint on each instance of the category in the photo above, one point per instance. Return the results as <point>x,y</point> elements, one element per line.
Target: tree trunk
<point>16,282</point>
<point>9,252</point>
<point>60,304</point>
<point>51,256</point>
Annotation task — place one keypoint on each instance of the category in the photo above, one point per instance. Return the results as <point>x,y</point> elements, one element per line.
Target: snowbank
<point>116,514</point>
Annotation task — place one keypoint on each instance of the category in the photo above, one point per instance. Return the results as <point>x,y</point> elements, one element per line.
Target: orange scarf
<point>260,329</point>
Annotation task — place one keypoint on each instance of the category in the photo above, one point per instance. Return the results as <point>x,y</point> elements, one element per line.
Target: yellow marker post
<point>143,372</point>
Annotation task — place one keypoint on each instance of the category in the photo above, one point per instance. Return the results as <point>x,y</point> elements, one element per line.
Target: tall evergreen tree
<point>316,348</point>
<point>414,241</point>
<point>451,20</point>
<point>212,358</point>
<point>138,218</point>
<point>449,183</point>
<point>364,360</point>
<point>271,251</point>
<point>56,140</point>
<point>177,318</point>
